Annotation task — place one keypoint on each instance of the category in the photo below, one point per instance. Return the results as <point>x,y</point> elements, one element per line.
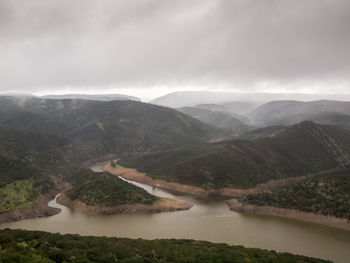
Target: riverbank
<point>331,221</point>
<point>161,205</point>
<point>134,175</point>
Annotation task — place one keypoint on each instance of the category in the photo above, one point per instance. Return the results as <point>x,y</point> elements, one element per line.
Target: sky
<point>149,48</point>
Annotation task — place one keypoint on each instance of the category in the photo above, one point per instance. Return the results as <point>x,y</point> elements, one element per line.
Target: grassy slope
<point>327,195</point>
<point>26,246</point>
<point>244,164</point>
<point>20,184</point>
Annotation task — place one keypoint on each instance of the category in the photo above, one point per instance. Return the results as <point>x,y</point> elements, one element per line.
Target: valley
<point>47,146</point>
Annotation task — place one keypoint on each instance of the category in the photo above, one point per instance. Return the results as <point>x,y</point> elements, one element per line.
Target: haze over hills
<point>216,118</point>
<point>192,98</point>
<point>291,112</point>
<point>100,97</point>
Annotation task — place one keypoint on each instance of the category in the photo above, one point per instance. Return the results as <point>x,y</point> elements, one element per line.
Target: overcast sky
<point>151,47</point>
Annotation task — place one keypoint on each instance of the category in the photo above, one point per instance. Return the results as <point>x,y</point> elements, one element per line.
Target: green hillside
<point>29,246</point>
<point>298,150</point>
<point>104,189</point>
<point>20,184</point>
<point>326,195</point>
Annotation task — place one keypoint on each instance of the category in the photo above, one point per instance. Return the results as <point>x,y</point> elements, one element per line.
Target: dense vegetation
<point>298,150</point>
<point>325,194</point>
<point>25,246</point>
<point>104,189</point>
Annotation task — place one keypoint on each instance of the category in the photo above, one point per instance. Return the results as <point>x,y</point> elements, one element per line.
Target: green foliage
<point>47,247</point>
<point>104,189</point>
<point>20,184</point>
<point>19,194</point>
<point>327,195</point>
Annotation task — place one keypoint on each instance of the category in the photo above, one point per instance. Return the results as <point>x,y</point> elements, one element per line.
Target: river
<point>211,221</point>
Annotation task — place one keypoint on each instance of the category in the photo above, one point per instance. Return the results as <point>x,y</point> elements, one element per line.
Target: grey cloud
<point>57,43</point>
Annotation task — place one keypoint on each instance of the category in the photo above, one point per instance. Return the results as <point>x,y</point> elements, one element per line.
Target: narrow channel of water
<point>211,221</point>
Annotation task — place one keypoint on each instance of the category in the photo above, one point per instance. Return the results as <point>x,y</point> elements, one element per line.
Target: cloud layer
<point>241,44</point>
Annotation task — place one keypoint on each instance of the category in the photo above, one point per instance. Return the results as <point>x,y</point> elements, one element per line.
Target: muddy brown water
<point>211,221</point>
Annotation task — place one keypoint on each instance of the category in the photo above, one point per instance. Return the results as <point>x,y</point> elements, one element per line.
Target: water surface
<point>211,221</point>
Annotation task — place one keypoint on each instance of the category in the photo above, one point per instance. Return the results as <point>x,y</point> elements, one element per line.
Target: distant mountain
<point>192,98</point>
<point>301,149</point>
<point>99,97</point>
<point>291,112</point>
<point>16,94</point>
<point>216,118</point>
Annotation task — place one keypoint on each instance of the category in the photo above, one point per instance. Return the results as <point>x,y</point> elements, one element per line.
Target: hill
<point>326,194</point>
<point>215,118</point>
<point>30,246</point>
<point>104,189</point>
<point>299,150</point>
<point>95,128</point>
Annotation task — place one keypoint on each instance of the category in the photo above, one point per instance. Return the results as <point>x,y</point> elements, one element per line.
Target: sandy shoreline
<point>331,221</point>
<point>134,175</point>
<point>161,205</point>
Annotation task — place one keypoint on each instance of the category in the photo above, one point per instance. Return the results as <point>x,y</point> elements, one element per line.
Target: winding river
<point>211,221</point>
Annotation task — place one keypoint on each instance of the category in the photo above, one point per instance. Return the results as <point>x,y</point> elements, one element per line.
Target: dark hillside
<point>327,194</point>
<point>299,150</point>
<point>95,128</point>
<point>30,246</point>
